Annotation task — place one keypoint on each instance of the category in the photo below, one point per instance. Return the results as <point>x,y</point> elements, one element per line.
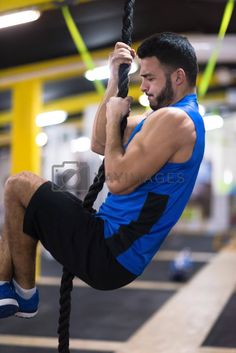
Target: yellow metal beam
<point>49,70</point>
<point>78,103</point>
<point>11,5</point>
<point>52,69</point>
<point>25,154</point>
<point>73,104</point>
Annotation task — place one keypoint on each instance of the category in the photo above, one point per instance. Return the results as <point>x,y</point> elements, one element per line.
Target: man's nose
<point>143,87</point>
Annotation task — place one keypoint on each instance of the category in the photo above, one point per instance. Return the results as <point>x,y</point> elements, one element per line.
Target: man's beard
<point>165,97</point>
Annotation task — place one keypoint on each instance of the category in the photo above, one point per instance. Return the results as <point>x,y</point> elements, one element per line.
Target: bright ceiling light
<point>143,100</point>
<point>41,139</point>
<point>213,122</point>
<point>81,144</point>
<point>103,72</point>
<point>228,177</point>
<point>51,118</point>
<point>18,18</point>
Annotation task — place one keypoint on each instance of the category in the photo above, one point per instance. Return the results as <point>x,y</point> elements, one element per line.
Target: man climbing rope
<point>150,176</point>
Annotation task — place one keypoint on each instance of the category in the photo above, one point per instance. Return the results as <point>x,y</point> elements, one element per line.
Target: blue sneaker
<point>27,307</point>
<point>8,303</point>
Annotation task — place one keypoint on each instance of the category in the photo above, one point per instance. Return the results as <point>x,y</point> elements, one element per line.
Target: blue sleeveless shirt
<point>136,224</point>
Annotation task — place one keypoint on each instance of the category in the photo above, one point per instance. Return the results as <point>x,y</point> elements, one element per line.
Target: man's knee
<point>14,180</point>
<point>22,186</point>
<point>10,183</point>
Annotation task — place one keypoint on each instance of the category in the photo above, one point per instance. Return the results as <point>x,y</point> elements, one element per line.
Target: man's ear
<point>179,77</point>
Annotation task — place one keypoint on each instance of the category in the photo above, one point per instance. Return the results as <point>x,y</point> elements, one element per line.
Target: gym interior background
<point>42,71</point>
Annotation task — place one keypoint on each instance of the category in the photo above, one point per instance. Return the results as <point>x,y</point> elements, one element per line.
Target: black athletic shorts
<point>74,237</point>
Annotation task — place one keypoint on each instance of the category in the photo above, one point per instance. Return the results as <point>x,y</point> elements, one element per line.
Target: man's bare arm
<point>121,54</point>
<point>163,135</point>
<point>99,125</point>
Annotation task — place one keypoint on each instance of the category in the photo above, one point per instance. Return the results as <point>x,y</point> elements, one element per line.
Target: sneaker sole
<point>8,307</point>
<point>26,315</point>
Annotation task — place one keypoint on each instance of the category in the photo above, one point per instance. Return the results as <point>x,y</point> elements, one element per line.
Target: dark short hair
<point>173,51</point>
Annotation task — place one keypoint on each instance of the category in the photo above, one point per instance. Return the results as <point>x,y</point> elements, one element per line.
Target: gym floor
<point>152,315</point>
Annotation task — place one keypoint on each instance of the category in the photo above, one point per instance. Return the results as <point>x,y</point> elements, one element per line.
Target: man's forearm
<point>114,153</point>
<point>117,164</point>
<point>99,126</point>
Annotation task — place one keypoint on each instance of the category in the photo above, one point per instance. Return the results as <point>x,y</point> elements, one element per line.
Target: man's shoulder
<point>172,124</point>
<point>132,122</point>
<point>167,116</point>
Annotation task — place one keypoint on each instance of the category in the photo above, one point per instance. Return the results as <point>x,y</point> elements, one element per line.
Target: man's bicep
<point>150,149</point>
<point>140,162</point>
<point>147,156</point>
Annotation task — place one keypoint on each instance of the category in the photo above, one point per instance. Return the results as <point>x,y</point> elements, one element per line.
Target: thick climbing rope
<point>96,187</point>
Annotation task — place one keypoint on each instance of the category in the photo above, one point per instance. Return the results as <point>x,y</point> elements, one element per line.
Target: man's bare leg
<point>19,256</point>
<point>6,269</point>
<point>18,250</point>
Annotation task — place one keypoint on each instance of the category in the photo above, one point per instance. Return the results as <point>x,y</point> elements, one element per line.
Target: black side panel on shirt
<point>151,212</point>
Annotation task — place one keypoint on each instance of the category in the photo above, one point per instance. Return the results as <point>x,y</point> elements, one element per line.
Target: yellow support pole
<point>25,154</point>
<point>26,106</point>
